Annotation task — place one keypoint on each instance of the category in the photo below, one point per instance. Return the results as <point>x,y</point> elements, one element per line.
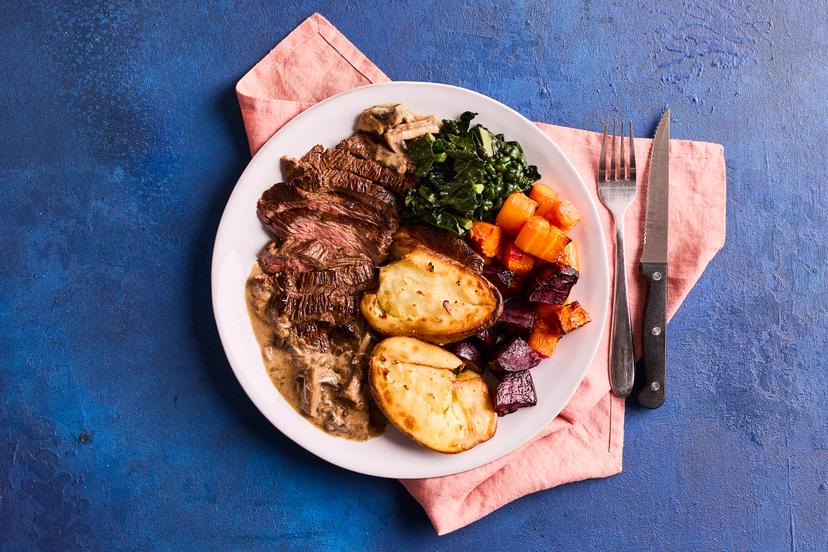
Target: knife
<point>654,268</point>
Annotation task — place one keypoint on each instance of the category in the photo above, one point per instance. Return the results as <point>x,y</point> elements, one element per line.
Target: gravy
<point>338,401</point>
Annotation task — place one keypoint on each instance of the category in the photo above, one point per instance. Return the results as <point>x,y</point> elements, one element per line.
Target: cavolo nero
<point>466,173</point>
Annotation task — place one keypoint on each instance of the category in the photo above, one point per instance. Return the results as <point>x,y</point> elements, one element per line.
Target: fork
<point>616,188</point>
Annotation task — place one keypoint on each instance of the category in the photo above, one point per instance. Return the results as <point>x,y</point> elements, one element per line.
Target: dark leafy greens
<point>465,175</point>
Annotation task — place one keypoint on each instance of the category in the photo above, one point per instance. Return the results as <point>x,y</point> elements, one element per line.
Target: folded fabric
<point>585,441</point>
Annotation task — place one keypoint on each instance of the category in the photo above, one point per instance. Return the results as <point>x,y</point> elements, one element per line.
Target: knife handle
<point>654,336</point>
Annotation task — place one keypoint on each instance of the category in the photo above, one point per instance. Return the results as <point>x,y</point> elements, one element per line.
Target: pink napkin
<point>585,441</point>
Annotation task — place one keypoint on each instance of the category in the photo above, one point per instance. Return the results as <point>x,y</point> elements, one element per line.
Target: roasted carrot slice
<point>562,214</point>
<point>516,209</point>
<point>542,193</point>
<point>533,236</point>
<point>556,241</point>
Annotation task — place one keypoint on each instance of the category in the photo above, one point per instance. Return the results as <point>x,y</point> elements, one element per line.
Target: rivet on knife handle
<point>654,336</point>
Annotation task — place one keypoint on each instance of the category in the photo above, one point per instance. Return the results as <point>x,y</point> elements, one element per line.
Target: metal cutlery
<point>654,268</point>
<point>616,188</point>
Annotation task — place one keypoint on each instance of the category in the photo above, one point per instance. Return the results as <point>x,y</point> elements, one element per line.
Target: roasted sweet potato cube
<point>569,256</point>
<point>544,337</point>
<point>548,313</point>
<point>487,239</point>
<point>571,316</point>
<point>517,261</point>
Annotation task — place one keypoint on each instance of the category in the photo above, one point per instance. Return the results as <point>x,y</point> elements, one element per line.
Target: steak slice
<point>332,308</point>
<point>274,258</point>
<point>304,256</point>
<point>363,146</point>
<point>441,241</point>
<point>314,333</point>
<point>284,197</point>
<point>323,159</point>
<point>338,232</point>
<point>360,145</point>
<point>306,176</point>
<point>351,278</point>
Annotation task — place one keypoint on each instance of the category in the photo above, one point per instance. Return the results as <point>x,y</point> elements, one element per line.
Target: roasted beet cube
<point>468,351</point>
<point>506,281</point>
<point>488,337</point>
<point>518,316</point>
<point>550,283</point>
<point>516,390</point>
<point>513,355</point>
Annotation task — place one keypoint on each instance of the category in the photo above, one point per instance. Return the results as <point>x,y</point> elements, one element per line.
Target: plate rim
<point>292,434</point>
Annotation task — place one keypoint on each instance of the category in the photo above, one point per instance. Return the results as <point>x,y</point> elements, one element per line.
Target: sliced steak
<point>363,146</point>
<point>360,145</point>
<point>304,256</point>
<point>314,333</point>
<point>332,308</point>
<point>274,258</point>
<point>306,176</point>
<point>441,241</point>
<point>334,222</point>
<point>339,232</point>
<point>340,159</point>
<point>284,197</point>
<point>352,278</point>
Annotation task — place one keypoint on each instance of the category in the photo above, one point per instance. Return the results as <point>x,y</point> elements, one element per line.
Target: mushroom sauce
<point>328,388</point>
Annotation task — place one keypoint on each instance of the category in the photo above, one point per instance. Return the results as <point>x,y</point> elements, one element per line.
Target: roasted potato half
<point>431,297</point>
<point>425,392</point>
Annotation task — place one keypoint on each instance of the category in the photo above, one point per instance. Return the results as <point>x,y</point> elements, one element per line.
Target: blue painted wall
<point>121,425</point>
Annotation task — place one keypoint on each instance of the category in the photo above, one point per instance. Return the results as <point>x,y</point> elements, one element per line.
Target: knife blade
<point>653,266</point>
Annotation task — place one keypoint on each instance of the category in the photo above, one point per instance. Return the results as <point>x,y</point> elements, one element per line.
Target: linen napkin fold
<point>585,441</point>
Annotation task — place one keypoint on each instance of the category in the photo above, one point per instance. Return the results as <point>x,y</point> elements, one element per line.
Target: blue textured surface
<point>121,425</point>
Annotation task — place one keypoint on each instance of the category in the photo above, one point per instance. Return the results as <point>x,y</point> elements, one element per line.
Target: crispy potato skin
<point>416,386</point>
<point>429,296</point>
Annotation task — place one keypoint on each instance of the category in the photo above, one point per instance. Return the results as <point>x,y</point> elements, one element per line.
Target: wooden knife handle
<point>654,336</point>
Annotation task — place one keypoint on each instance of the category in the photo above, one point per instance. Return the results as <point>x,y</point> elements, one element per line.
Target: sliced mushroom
<point>309,379</point>
<point>380,118</point>
<point>261,289</point>
<point>335,419</point>
<point>397,136</point>
<point>353,390</point>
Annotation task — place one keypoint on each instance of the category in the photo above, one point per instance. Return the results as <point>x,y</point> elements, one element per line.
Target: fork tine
<point>632,154</point>
<point>622,162</point>
<point>602,161</point>
<point>613,170</point>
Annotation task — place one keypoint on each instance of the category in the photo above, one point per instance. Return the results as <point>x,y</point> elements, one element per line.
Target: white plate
<point>240,236</point>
